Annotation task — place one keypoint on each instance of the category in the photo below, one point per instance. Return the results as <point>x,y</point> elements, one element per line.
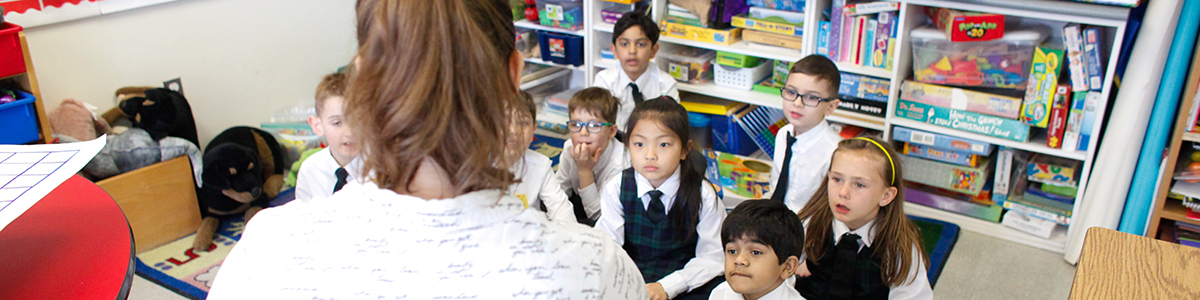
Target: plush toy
<point>161,112</point>
<point>134,149</point>
<point>243,171</point>
<point>75,119</point>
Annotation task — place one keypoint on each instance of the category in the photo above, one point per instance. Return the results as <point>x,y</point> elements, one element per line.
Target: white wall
<point>240,60</point>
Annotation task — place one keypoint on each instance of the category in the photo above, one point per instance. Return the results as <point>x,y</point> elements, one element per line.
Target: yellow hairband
<point>885,153</point>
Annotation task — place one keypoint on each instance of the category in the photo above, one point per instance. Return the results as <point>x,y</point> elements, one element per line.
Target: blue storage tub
<point>700,132</point>
<point>728,137</point>
<point>19,120</point>
<point>561,48</point>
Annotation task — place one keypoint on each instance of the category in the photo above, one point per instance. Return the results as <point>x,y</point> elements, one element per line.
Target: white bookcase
<point>1055,13</point>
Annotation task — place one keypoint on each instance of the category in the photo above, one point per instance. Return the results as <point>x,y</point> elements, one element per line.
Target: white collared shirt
<point>782,292</point>
<point>610,164</point>
<point>709,260</point>
<point>811,155</point>
<point>918,288</point>
<point>653,83</point>
<point>539,185</point>
<point>316,177</point>
<point>371,243</point>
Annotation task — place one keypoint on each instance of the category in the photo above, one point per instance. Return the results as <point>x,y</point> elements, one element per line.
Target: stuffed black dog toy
<point>162,113</point>
<point>243,171</point>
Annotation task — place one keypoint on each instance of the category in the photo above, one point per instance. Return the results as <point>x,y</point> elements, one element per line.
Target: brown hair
<point>333,85</point>
<point>597,101</point>
<point>526,105</point>
<point>414,97</point>
<point>822,68</point>
<point>896,237</point>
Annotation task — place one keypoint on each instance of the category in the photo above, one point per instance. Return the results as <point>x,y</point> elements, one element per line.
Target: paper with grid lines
<point>29,172</point>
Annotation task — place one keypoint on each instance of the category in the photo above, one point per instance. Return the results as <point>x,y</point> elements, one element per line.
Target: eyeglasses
<point>807,100</point>
<point>593,126</point>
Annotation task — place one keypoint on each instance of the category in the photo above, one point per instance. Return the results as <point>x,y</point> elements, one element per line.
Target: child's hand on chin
<point>656,291</point>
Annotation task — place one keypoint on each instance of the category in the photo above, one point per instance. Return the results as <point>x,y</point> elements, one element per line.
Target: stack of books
<point>683,24</point>
<point>947,172</point>
<point>860,33</point>
<point>1038,185</point>
<point>1188,234</point>
<point>772,27</point>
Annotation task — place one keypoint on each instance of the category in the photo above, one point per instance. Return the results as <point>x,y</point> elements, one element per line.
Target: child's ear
<point>654,50</point>
<point>516,64</point>
<point>833,105</point>
<point>612,132</point>
<point>789,267</point>
<point>888,196</point>
<point>315,123</point>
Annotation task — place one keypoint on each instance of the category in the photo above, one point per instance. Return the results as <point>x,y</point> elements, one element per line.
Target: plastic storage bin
<point>12,59</point>
<point>741,78</point>
<point>729,137</point>
<point>691,65</point>
<point>561,48</point>
<point>19,120</point>
<point>527,43</point>
<point>736,59</point>
<point>566,14</point>
<point>701,132</point>
<point>1002,63</point>
<point>610,11</point>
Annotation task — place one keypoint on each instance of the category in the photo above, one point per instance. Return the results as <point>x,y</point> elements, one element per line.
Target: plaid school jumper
<point>868,276</point>
<point>652,247</point>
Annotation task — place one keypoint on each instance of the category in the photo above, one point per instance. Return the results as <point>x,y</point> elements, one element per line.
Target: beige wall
<point>240,60</point>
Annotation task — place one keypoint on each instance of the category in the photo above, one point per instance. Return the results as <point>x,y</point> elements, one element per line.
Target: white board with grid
<point>29,172</point>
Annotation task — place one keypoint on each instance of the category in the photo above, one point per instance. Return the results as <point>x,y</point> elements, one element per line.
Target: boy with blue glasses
<point>593,155</point>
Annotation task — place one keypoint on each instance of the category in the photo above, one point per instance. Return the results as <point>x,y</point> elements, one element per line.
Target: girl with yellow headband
<point>858,242</point>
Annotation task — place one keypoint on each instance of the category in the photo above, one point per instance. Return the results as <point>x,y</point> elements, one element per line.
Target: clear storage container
<point>691,65</point>
<point>1001,63</point>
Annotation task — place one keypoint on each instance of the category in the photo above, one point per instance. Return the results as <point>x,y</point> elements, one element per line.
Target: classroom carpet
<point>939,238</point>
<point>189,273</point>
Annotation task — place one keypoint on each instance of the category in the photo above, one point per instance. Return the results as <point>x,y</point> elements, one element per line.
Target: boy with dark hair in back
<point>537,187</point>
<point>804,147</point>
<point>763,244</point>
<point>635,42</point>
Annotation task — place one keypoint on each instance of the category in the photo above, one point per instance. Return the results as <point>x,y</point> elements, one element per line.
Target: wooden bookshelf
<point>1166,208</point>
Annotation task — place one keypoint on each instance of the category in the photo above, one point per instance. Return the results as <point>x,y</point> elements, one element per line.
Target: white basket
<point>740,78</point>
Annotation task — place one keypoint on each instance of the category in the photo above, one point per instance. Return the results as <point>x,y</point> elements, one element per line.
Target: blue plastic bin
<point>700,132</point>
<point>18,120</point>
<point>728,137</point>
<point>561,48</point>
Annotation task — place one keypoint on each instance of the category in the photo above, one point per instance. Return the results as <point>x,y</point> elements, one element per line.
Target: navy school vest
<point>653,247</point>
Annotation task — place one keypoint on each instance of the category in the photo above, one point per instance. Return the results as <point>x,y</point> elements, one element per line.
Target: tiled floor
<point>980,267</point>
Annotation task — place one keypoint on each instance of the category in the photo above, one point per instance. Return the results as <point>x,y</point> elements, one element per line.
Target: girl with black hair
<point>662,211</point>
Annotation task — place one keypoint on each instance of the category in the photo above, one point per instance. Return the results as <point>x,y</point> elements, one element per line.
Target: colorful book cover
<point>1073,40</point>
<point>870,8</point>
<point>865,87</point>
<point>964,120</point>
<point>942,155</point>
<point>1089,120</point>
<point>745,21</point>
<point>835,31</point>
<point>882,54</point>
<point>859,105</point>
<point>958,178</point>
<point>1053,170</point>
<point>1074,121</point>
<point>868,42</point>
<point>962,99</point>
<point>1043,80</point>
<point>1058,117</point>
<point>1091,51</point>
<point>942,141</point>
<point>823,38</point>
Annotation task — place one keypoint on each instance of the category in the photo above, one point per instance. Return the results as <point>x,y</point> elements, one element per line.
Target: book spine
<point>859,105</point>
<point>1089,120</point>
<point>883,33</point>
<point>823,35</point>
<point>1058,117</point>
<point>1004,158</point>
<point>964,120</point>
<point>848,36</point>
<point>835,30</point>
<point>867,44</point>
<point>1091,49</point>
<point>1074,121</point>
<point>870,8</point>
<point>1073,40</point>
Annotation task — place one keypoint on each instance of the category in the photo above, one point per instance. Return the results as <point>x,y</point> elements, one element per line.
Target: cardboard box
<point>964,120</point>
<point>952,202</point>
<point>1043,82</point>
<point>962,179</point>
<point>780,28</point>
<point>865,87</point>
<point>772,39</point>
<point>962,26</point>
<point>1053,170</point>
<point>939,154</point>
<point>937,140</point>
<point>956,98</point>
<point>159,201</point>
<point>1036,226</point>
<point>701,34</point>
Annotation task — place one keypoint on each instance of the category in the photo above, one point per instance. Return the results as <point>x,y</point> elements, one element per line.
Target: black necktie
<point>781,186</point>
<point>843,267</point>
<point>637,94</point>
<point>656,212</point>
<point>341,175</point>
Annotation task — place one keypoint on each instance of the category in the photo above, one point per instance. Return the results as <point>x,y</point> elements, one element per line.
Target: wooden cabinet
<point>1166,211</point>
<point>27,81</point>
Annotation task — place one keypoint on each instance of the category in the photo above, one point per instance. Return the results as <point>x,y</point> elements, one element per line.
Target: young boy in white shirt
<point>325,172</point>
<point>764,241</point>
<point>804,147</point>
<point>593,155</point>
<point>538,187</point>
<point>635,42</point>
